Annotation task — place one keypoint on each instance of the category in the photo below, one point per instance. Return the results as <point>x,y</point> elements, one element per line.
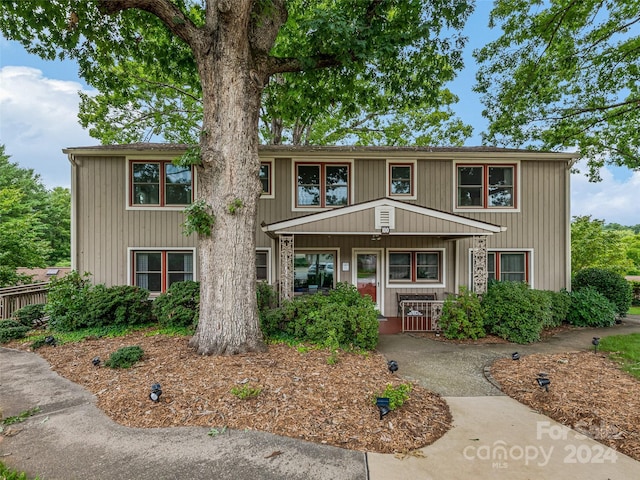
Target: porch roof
<point>369,218</point>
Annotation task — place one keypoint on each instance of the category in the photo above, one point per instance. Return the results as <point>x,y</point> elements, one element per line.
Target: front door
<point>367,274</point>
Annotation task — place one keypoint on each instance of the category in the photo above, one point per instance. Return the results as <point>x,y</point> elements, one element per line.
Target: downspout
<point>567,190</point>
<point>74,211</point>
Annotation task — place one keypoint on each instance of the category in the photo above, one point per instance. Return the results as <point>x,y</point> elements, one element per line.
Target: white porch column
<point>287,271</point>
<point>480,274</point>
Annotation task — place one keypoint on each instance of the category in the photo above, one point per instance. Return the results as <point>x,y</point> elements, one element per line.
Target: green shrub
<point>513,313</point>
<point>9,324</point>
<point>463,316</point>
<point>589,308</point>
<point>352,318</point>
<point>125,357</point>
<point>29,314</point>
<point>179,306</point>
<point>610,284</point>
<point>13,332</point>
<point>67,304</point>
<point>635,288</point>
<point>396,395</point>
<point>267,296</point>
<point>560,305</point>
<point>120,305</point>
<point>245,392</point>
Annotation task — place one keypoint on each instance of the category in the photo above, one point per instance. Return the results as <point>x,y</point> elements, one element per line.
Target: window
<point>158,270</point>
<point>313,270</point>
<point>160,184</point>
<point>262,265</point>
<point>508,266</point>
<point>401,180</point>
<point>486,186</point>
<point>322,185</point>
<point>415,267</point>
<point>266,179</point>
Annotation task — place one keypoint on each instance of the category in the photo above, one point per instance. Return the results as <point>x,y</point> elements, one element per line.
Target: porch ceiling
<point>368,218</point>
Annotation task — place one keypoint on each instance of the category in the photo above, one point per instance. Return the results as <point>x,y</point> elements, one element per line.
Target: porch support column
<point>287,271</point>
<point>480,274</point>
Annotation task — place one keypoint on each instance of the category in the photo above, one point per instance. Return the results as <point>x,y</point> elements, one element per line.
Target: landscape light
<point>95,361</point>
<point>51,341</point>
<point>543,381</point>
<point>393,366</point>
<point>383,405</point>
<point>595,342</point>
<point>155,392</point>
<point>515,356</point>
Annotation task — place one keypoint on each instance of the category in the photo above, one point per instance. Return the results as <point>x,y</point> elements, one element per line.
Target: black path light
<point>51,341</point>
<point>595,342</point>
<point>383,404</point>
<point>96,361</point>
<point>543,381</point>
<point>515,356</point>
<point>155,392</point>
<point>393,366</point>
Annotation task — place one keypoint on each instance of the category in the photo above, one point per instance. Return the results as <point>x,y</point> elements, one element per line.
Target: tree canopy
<point>564,74</point>
<point>592,246</point>
<point>340,52</point>
<point>388,88</point>
<point>34,223</point>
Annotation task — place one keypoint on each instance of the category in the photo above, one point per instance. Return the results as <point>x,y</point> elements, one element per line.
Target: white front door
<point>367,274</point>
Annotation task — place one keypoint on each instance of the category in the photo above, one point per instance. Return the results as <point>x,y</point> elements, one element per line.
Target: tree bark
<point>227,180</point>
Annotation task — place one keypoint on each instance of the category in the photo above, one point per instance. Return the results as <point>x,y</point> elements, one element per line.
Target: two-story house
<point>388,220</point>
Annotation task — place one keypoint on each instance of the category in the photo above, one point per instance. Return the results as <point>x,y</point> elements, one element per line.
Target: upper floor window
<point>160,183</point>
<point>486,186</point>
<point>401,179</point>
<point>322,185</point>
<point>266,178</point>
<point>416,266</point>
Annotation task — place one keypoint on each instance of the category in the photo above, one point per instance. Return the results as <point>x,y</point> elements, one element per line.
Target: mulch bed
<point>302,396</point>
<point>588,392</point>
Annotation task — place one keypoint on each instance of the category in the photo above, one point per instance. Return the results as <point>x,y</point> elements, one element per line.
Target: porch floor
<point>390,325</point>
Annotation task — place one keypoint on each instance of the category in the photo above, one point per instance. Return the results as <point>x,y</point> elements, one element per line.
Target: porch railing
<point>14,298</point>
<point>421,315</point>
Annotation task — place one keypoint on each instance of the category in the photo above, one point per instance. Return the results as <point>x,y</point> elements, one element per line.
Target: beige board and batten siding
<point>540,226</point>
<point>105,229</point>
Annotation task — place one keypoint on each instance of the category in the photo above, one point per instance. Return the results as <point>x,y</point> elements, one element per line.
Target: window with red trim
<point>508,266</point>
<point>486,186</point>
<point>160,183</point>
<point>158,270</point>
<point>265,178</point>
<point>322,185</point>
<point>421,266</point>
<point>401,179</point>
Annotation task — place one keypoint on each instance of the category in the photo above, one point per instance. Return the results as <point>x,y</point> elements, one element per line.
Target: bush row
<point>517,313</point>
<point>74,303</point>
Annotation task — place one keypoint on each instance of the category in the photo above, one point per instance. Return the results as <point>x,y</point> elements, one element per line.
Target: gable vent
<point>385,217</point>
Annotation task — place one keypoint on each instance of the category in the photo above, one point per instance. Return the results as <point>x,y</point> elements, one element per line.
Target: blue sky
<point>39,105</point>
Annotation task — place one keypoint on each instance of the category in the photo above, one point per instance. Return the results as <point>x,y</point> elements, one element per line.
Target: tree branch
<point>284,65</point>
<point>174,18</point>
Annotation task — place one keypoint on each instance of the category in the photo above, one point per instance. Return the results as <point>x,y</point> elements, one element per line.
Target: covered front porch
<point>390,250</point>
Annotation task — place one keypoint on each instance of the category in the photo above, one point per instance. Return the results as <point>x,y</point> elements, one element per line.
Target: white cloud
<point>614,200</point>
<point>38,118</point>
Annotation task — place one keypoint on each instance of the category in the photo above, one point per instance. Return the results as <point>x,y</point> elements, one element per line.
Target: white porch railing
<point>14,298</point>
<point>421,315</point>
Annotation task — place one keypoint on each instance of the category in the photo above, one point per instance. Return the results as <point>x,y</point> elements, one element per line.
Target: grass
<point>624,349</point>
<point>87,333</point>
<point>7,473</point>
<point>21,417</point>
<point>634,311</point>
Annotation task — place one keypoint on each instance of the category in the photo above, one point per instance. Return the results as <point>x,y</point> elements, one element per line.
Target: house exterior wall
<point>105,229</point>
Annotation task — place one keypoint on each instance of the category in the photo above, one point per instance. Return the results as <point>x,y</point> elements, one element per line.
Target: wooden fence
<point>14,298</point>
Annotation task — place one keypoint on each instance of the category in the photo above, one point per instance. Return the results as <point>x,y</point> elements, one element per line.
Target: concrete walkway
<point>493,435</point>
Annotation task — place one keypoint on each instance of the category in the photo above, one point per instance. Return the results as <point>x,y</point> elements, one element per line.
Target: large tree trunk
<point>227,181</point>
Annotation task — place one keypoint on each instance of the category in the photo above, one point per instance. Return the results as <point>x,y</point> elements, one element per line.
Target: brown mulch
<point>302,395</point>
<point>588,392</point>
